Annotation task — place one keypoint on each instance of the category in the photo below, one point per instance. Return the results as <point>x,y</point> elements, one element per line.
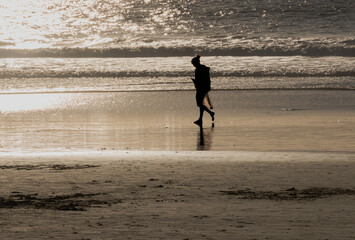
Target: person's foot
<point>212,116</point>
<point>198,122</point>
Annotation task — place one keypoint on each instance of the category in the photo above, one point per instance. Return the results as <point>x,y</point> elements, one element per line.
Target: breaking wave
<point>171,74</point>
<point>344,48</point>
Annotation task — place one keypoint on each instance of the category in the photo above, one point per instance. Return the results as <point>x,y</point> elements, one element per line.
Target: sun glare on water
<point>25,23</point>
<point>31,24</point>
<point>10,103</point>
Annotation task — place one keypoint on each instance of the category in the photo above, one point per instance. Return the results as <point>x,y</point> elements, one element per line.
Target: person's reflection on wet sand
<point>204,139</point>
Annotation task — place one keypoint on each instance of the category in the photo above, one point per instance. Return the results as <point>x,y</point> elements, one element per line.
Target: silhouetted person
<point>203,86</point>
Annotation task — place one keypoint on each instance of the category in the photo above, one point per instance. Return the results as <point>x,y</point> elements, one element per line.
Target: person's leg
<point>209,101</point>
<point>202,109</point>
<point>209,111</point>
<point>199,120</point>
<point>199,102</point>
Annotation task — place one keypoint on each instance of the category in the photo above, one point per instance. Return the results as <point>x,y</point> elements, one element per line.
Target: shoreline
<point>180,90</point>
<point>104,153</point>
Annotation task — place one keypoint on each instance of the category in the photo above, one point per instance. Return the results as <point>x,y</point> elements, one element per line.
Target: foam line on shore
<point>202,156</point>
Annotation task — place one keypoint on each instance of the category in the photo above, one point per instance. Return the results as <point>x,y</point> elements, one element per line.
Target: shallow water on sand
<point>245,121</point>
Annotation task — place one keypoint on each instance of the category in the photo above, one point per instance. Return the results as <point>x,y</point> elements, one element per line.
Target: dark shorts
<point>199,98</point>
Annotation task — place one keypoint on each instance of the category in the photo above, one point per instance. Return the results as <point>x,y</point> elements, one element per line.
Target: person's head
<point>196,61</point>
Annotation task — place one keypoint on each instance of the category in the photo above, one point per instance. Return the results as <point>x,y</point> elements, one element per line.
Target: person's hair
<point>195,60</point>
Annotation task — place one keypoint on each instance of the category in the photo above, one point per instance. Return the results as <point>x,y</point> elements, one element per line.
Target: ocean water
<point>147,45</point>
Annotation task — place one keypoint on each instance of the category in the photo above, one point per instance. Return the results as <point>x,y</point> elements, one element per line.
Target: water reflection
<point>204,139</point>
<point>98,121</point>
<point>33,102</point>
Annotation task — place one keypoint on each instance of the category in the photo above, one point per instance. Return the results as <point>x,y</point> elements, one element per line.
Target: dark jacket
<point>202,79</point>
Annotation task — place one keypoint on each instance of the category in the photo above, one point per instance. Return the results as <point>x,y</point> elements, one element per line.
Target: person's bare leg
<point>209,101</point>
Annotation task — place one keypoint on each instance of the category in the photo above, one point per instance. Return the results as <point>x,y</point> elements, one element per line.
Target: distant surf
<point>174,67</point>
<point>113,85</point>
<point>315,48</point>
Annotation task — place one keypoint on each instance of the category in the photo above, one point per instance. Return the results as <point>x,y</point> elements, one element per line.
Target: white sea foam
<point>20,75</point>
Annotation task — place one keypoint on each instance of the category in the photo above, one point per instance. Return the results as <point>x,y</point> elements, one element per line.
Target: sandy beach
<point>178,195</point>
<point>277,165</point>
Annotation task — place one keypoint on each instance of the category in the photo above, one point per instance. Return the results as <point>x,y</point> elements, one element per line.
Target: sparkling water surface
<point>225,26</point>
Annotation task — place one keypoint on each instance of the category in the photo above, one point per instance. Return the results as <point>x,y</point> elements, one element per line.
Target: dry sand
<point>178,195</point>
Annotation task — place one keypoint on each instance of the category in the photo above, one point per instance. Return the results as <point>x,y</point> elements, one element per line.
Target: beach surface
<point>123,165</point>
<point>255,120</point>
<point>178,195</point>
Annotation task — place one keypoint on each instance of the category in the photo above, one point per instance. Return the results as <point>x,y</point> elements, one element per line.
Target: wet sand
<point>277,165</point>
<point>245,121</point>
